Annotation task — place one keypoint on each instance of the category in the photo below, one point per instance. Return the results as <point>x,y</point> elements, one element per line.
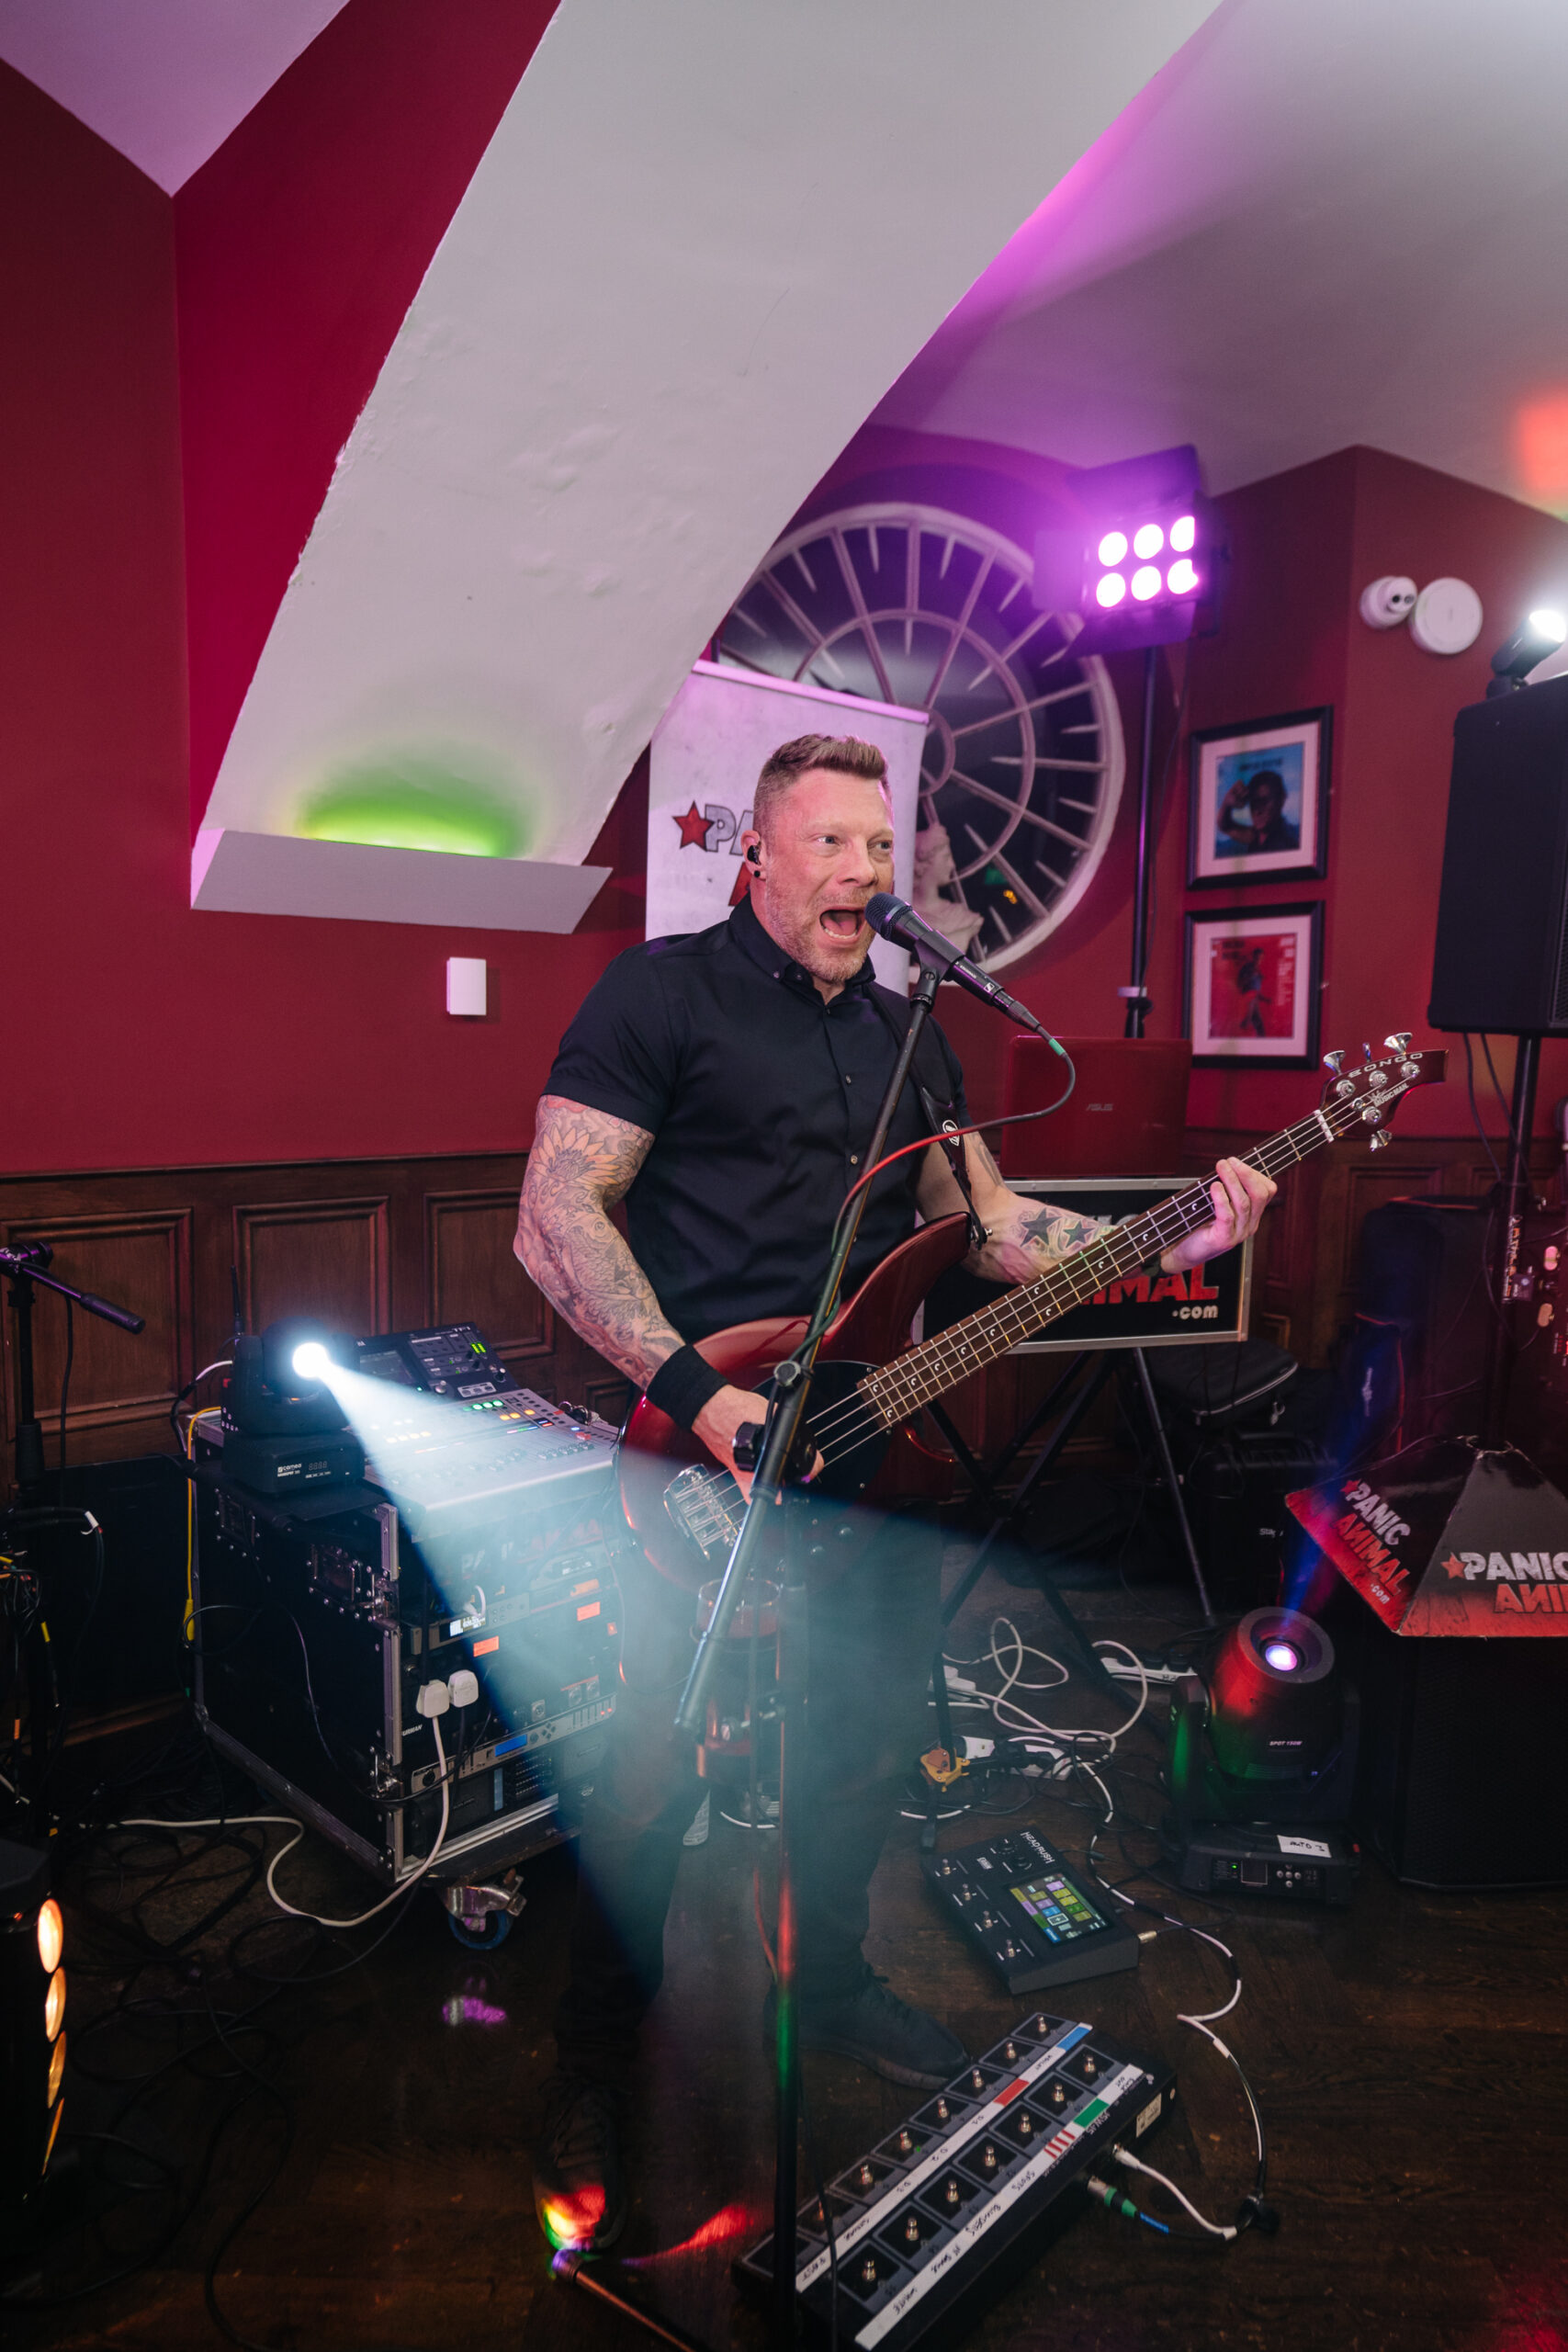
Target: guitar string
<point>843,1428</point>
<point>952,1357</point>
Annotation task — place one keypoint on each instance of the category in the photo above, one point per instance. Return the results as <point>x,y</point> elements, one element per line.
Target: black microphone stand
<point>782,1438</point>
<point>22,1266</point>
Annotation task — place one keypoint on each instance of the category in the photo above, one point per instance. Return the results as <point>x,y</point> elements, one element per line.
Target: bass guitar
<point>870,1382</point>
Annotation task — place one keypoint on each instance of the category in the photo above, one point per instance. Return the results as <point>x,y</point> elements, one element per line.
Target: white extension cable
<point>287,1821</point>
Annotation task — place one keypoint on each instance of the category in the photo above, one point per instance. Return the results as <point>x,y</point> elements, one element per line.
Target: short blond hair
<point>841,754</point>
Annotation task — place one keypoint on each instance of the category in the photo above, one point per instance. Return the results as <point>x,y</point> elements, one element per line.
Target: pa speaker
<point>1502,953</point>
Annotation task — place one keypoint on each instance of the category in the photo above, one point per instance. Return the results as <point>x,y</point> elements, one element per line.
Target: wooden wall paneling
<point>388,1244</point>
<point>121,1381</point>
<point>473,1276</point>
<point>324,1258</point>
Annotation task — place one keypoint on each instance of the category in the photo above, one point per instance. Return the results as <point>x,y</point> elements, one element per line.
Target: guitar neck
<point>901,1388</point>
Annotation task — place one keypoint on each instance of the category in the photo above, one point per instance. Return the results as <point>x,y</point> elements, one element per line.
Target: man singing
<point>725,1086</point>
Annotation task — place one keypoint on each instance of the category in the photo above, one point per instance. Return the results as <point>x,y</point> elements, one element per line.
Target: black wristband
<point>684,1384</point>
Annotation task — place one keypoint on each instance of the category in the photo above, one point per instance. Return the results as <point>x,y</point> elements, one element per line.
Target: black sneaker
<point>872,2026</point>
<point>580,2194</point>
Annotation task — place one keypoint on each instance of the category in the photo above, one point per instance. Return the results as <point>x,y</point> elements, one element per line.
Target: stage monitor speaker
<point>1502,954</point>
<point>1464,1751</point>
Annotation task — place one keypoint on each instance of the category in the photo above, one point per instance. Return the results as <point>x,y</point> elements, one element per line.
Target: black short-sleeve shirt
<point>761,1099</point>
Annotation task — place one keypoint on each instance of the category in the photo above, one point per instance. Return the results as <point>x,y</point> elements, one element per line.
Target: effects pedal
<point>1028,1915</point>
<point>931,2224</point>
<point>1015,1898</point>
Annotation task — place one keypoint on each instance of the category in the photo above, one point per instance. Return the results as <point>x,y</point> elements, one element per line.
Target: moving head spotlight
<point>284,1430</point>
<point>1264,1744</point>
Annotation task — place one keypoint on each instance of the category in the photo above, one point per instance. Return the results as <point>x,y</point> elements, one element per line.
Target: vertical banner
<point>708,751</point>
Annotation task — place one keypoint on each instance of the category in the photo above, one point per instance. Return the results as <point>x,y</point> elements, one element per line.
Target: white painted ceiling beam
<point>702,243</point>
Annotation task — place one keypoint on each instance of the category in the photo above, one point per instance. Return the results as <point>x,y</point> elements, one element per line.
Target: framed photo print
<point>1251,986</point>
<point>1260,800</point>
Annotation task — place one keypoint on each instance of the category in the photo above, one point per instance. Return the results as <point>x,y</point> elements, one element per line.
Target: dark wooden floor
<point>1408,2055</point>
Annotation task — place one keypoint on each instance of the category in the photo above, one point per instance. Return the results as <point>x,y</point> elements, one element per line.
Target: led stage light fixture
<point>1261,1764</point>
<point>1537,636</point>
<point>32,2020</point>
<point>1144,558</point>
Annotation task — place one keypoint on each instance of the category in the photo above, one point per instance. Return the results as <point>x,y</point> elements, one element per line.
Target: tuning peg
<point>1400,1041</point>
<point>1335,1061</point>
<point>1380,1141</point>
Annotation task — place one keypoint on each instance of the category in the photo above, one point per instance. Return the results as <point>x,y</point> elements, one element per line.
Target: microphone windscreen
<point>883,909</point>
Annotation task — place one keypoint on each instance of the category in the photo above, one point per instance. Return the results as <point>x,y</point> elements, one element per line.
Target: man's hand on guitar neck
<point>1026,1236</point>
<point>1240,1194</point>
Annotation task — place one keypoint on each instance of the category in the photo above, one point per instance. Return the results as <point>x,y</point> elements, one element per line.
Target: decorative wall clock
<point>910,604</point>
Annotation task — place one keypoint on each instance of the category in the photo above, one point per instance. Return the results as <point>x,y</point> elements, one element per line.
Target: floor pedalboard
<point>1015,1898</point>
<point>936,2221</point>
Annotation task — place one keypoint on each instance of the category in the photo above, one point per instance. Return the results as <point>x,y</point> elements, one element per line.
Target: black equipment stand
<point>1517,1199</point>
<point>22,1266</point>
<point>1136,998</point>
<point>783,1439</point>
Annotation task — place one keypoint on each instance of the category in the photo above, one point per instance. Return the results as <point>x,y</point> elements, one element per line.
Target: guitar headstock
<point>1367,1097</point>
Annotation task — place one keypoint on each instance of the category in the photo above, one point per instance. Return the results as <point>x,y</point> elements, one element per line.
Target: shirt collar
<point>757,942</point>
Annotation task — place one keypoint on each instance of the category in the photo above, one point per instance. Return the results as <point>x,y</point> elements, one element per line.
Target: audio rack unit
<point>484,1541</point>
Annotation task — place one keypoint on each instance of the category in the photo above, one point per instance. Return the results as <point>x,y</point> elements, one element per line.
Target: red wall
<point>1303,545</point>
<point>142,1033</point>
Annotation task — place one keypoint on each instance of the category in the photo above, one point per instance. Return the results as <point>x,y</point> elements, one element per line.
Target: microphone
<point>897,920</point>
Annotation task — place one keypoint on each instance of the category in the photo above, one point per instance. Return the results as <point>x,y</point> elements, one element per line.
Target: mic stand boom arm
<point>781,1437</point>
<point>22,1265</point>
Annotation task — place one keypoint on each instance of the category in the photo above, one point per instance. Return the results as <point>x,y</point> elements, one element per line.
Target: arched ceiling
<point>164,80</point>
<point>691,259</point>
<point>706,242</point>
<point>1325,224</point>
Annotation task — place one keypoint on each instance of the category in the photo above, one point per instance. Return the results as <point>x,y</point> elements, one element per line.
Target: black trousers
<point>870,1637</point>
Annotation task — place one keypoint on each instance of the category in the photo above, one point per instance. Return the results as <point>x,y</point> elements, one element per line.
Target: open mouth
<point>841,922</point>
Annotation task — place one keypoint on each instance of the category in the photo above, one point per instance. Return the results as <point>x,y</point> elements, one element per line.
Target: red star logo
<point>742,885</point>
<point>693,828</point>
<point>1454,1566</point>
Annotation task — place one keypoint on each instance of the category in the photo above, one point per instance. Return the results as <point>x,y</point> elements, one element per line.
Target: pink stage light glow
<point>730,2221</point>
<point>1112,547</point>
<point>1112,589</point>
<point>1146,582</point>
<point>1184,533</point>
<point>1147,541</point>
<point>1181,579</point>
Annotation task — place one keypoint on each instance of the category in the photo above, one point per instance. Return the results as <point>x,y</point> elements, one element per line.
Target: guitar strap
<point>939,1111</point>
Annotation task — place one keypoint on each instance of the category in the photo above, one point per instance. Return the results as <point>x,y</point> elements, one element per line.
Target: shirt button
<point>854,1159</point>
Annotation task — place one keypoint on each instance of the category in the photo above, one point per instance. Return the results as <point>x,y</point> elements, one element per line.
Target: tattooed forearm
<point>582,1162</point>
<point>1031,1237</point>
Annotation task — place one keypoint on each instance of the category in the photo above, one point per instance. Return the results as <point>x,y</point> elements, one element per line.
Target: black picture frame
<point>1212,1015</point>
<point>1295,747</point>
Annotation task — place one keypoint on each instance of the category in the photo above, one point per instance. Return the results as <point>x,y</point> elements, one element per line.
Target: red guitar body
<point>871,1330</point>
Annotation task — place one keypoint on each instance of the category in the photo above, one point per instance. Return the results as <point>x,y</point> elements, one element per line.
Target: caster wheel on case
<point>495,1929</point>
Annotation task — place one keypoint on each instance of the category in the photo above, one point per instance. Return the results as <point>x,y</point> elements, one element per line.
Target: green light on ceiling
<point>414,804</point>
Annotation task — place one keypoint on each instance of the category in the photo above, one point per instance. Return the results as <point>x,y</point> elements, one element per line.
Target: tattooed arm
<point>1026,1236</point>
<point>582,1162</point>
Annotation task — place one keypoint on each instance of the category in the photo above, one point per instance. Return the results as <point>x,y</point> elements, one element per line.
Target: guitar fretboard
<point>898,1389</point>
